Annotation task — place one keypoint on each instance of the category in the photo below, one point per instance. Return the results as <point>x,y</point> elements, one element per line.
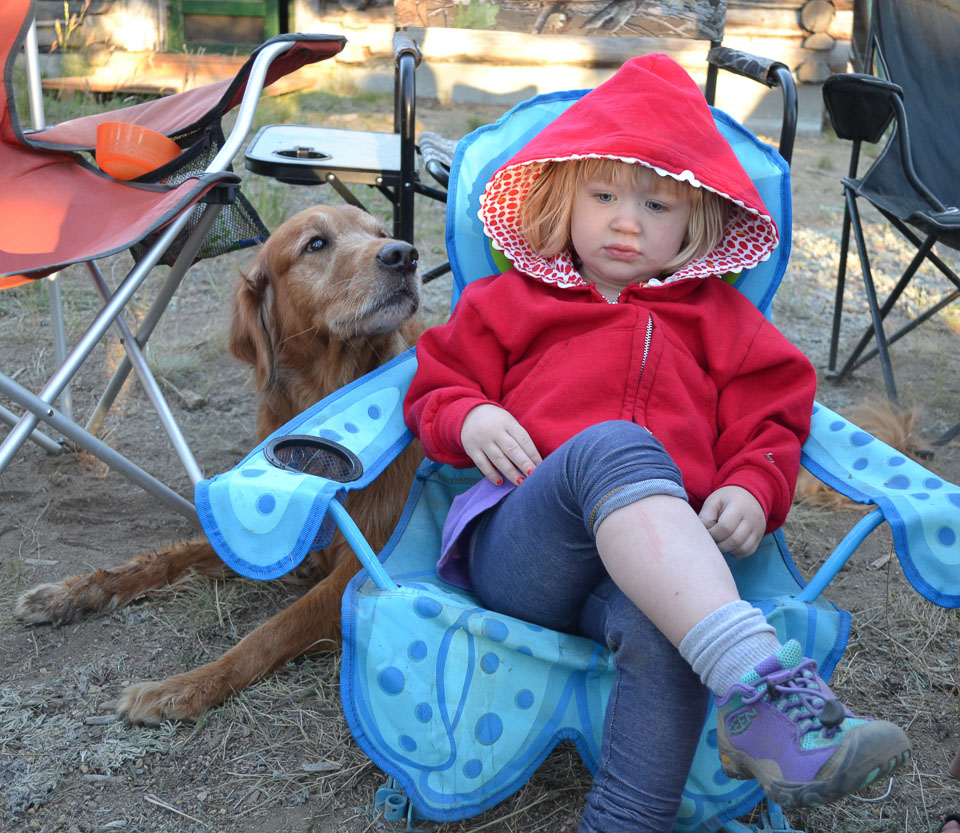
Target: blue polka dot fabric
<point>923,510</point>
<point>461,704</point>
<point>263,519</point>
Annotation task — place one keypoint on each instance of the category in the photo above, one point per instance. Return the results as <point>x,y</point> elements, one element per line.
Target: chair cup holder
<point>302,153</point>
<point>316,456</point>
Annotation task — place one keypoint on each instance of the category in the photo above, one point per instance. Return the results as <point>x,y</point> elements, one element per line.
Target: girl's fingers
<point>505,465</point>
<point>487,469</point>
<point>522,452</point>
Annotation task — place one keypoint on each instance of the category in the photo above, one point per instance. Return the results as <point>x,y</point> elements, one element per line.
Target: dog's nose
<point>398,256</point>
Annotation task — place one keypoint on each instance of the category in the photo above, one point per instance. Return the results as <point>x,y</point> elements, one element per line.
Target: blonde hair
<point>546,210</point>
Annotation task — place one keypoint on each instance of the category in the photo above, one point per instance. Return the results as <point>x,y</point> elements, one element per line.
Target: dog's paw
<point>175,698</point>
<point>45,603</point>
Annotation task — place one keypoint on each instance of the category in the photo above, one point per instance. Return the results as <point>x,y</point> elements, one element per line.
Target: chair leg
<point>149,383</point>
<point>889,303</point>
<point>875,315</point>
<point>161,302</point>
<point>841,283</point>
<point>405,97</point>
<point>59,337</point>
<point>943,439</point>
<point>924,252</point>
<point>10,418</point>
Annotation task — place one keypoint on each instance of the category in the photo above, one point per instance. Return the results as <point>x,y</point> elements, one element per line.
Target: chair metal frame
<point>52,405</point>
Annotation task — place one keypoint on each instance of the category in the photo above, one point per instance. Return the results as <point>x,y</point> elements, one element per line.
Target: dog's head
<point>327,274</point>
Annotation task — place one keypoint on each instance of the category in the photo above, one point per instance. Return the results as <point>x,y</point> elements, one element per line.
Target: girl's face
<point>626,233</point>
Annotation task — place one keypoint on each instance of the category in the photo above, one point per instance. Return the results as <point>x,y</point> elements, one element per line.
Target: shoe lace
<point>798,696</point>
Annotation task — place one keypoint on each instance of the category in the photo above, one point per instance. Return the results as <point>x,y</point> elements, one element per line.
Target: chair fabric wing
<point>922,509</point>
<point>262,519</point>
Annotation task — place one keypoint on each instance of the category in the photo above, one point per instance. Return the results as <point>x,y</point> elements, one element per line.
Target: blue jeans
<point>534,556</point>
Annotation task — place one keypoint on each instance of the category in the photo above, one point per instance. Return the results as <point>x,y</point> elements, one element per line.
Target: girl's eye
<point>604,196</point>
<point>655,206</point>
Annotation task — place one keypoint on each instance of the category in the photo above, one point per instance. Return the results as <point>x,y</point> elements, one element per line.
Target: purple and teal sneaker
<point>782,725</point>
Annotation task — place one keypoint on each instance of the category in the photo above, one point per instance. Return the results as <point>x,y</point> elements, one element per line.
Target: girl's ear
<point>251,339</point>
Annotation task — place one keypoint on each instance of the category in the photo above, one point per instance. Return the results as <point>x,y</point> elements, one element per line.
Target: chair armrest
<point>860,106</point>
<point>771,73</point>
<point>922,509</point>
<point>268,512</point>
<point>184,112</point>
<point>437,153</point>
<point>404,44</point>
<point>751,66</point>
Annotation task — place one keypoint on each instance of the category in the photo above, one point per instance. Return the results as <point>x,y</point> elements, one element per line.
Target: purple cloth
<point>453,566</point>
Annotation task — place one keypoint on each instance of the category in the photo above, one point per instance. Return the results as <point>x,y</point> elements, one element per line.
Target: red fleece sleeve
<point>459,365</point>
<point>764,418</point>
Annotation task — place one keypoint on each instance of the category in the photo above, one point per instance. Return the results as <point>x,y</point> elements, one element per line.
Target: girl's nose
<point>627,219</point>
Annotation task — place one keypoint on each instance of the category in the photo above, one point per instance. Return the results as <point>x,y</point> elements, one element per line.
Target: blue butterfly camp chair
<point>459,705</point>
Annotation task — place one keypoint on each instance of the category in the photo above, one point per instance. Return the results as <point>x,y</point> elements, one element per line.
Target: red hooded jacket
<point>686,356</point>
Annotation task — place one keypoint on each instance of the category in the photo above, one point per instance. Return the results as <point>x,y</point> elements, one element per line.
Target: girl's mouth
<point>624,253</point>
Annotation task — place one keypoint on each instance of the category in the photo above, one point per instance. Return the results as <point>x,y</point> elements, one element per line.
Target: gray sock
<point>728,643</point>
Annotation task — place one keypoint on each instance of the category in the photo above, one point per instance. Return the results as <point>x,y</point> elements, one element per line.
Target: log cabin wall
<point>811,36</point>
<point>818,31</point>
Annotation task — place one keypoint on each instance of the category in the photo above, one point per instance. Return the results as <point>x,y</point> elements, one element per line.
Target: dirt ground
<point>279,755</point>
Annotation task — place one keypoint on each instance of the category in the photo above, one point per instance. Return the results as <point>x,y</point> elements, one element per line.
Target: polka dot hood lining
<point>674,135</point>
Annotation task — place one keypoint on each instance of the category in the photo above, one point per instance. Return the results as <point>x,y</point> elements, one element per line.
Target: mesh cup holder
<point>314,455</point>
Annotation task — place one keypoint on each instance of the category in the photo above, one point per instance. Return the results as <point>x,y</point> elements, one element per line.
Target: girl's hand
<point>498,445</point>
<point>734,519</point>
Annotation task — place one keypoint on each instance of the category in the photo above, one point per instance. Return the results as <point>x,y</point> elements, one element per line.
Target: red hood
<point>650,112</point>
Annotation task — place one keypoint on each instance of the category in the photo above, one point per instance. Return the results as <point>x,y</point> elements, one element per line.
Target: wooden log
<point>701,19</point>
<point>764,21</point>
<point>819,42</point>
<point>816,15</point>
<point>813,70</point>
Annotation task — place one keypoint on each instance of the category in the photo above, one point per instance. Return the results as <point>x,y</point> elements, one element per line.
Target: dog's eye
<point>315,244</point>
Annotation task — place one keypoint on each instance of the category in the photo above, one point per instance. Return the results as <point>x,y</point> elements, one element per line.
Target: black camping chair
<point>910,79</point>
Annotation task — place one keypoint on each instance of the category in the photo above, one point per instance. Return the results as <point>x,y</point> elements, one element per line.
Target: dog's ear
<point>250,337</point>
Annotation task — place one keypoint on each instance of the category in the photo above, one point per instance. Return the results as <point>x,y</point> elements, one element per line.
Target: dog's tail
<point>889,423</point>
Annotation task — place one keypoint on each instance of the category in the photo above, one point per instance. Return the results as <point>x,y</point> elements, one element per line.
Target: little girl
<point>634,416</point>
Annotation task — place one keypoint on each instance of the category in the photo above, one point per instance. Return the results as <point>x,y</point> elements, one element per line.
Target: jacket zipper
<point>646,348</point>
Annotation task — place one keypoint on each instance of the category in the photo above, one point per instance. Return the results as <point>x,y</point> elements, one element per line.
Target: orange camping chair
<point>58,208</point>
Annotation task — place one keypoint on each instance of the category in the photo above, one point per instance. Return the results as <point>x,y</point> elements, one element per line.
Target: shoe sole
<point>864,757</point>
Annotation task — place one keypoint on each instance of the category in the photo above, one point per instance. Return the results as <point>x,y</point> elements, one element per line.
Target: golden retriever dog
<point>329,298</point>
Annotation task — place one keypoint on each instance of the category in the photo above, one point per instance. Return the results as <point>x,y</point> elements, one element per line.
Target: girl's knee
<point>617,432</point>
<point>620,440</point>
